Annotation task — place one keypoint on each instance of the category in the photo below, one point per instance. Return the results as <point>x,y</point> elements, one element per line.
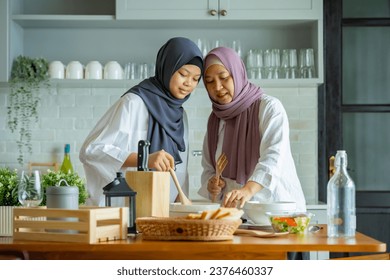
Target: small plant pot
<point>6,220</point>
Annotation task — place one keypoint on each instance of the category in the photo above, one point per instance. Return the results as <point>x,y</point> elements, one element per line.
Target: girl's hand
<point>237,198</point>
<point>161,161</point>
<point>213,188</point>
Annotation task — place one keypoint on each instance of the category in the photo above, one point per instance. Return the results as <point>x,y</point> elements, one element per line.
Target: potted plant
<point>8,187</point>
<point>53,178</point>
<point>28,75</point>
<point>9,193</point>
<point>8,199</point>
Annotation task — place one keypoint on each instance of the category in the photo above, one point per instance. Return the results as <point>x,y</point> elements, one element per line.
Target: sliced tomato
<point>289,221</point>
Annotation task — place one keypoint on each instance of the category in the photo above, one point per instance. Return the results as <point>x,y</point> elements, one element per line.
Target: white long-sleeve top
<point>275,170</point>
<point>113,139</point>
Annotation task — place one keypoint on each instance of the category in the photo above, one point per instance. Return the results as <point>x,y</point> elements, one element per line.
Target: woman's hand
<point>213,188</point>
<point>161,161</point>
<point>239,197</point>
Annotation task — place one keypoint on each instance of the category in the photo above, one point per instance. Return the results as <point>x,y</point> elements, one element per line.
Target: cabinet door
<point>167,9</point>
<point>4,39</point>
<point>266,9</point>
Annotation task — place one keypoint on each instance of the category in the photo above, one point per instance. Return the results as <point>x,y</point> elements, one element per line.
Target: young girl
<point>252,129</point>
<point>151,110</point>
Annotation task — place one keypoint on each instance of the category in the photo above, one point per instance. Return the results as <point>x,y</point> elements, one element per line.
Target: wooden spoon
<point>183,198</point>
<point>258,233</point>
<point>219,166</point>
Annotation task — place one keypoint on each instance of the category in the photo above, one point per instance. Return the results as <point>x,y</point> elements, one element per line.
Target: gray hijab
<point>166,127</point>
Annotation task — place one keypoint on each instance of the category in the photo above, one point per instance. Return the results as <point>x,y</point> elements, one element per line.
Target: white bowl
<point>113,71</point>
<point>94,70</point>
<point>179,210</point>
<point>56,70</point>
<point>256,210</point>
<point>74,70</point>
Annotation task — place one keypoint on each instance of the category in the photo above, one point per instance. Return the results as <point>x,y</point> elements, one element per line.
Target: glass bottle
<point>341,209</point>
<point>66,166</point>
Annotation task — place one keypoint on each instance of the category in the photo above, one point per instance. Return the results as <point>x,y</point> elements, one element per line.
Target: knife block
<point>153,190</point>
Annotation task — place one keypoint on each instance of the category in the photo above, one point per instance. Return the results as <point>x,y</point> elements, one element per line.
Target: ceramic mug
<point>113,70</point>
<point>74,70</point>
<point>56,70</point>
<point>94,70</point>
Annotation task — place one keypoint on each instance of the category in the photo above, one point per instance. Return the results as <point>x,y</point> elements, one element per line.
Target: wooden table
<point>240,248</point>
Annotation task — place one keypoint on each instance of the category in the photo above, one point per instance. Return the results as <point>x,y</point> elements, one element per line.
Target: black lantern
<point>120,188</point>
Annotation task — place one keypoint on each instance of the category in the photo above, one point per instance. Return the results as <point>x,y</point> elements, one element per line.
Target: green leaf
<point>28,75</point>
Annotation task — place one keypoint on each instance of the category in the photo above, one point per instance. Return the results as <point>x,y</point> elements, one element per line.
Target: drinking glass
<point>293,63</point>
<point>251,64</point>
<point>267,64</point>
<point>152,69</point>
<point>130,71</point>
<point>29,189</point>
<point>272,63</point>
<point>218,43</point>
<point>236,45</point>
<point>203,45</point>
<point>306,57</point>
<point>143,70</point>
<point>254,64</point>
<point>289,64</point>
<point>275,63</point>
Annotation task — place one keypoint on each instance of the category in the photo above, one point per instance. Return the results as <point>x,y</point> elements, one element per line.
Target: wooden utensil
<point>219,167</point>
<point>183,198</point>
<point>258,233</point>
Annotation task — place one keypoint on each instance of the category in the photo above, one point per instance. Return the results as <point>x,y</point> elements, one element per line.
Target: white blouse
<point>275,170</point>
<point>113,139</point>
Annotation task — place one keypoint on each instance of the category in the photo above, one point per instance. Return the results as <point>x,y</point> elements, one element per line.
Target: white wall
<point>68,112</point>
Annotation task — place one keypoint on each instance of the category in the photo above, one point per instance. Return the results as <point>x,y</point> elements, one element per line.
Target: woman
<point>252,129</point>
<point>151,110</point>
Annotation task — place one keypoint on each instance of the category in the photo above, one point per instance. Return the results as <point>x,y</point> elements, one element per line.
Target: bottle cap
<point>341,158</point>
<point>67,148</point>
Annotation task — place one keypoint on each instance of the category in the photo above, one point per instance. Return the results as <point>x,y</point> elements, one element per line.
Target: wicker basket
<point>186,229</point>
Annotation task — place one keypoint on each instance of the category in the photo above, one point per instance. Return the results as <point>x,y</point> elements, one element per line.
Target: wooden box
<point>85,225</point>
<point>153,190</point>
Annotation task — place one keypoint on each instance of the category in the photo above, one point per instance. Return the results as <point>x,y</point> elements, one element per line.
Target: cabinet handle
<point>213,12</point>
<point>332,168</point>
<point>223,13</point>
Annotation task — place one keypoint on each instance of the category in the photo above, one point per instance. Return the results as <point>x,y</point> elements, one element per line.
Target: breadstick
<point>215,214</point>
<point>223,215</point>
<point>193,216</point>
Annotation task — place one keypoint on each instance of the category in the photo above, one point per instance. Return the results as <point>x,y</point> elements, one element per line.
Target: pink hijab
<point>242,137</point>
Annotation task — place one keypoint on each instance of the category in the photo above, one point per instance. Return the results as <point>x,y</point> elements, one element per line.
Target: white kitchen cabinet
<point>320,217</point>
<point>167,10</point>
<point>218,9</point>
<point>4,41</point>
<point>129,30</point>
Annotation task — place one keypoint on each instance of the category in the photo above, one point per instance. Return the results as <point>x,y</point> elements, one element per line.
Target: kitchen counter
<point>240,248</point>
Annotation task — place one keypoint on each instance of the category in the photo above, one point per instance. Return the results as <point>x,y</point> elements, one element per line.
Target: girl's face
<point>184,81</point>
<point>219,84</point>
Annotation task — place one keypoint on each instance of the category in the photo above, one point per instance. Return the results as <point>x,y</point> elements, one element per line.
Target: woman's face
<point>219,84</point>
<point>184,81</point>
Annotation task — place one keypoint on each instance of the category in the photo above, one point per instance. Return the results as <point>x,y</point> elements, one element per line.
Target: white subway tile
<point>68,115</point>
